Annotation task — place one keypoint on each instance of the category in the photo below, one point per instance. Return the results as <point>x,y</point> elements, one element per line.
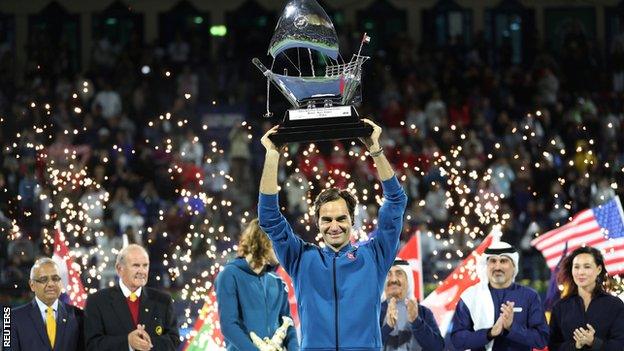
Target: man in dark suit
<point>46,323</point>
<point>131,316</point>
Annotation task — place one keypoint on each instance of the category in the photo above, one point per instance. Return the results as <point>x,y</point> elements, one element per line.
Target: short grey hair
<point>121,256</point>
<point>40,262</point>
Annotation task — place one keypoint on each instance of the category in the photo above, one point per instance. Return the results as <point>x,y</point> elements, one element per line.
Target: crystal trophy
<point>322,105</point>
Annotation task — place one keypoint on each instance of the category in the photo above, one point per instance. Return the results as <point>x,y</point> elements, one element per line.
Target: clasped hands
<point>139,340</point>
<point>505,319</point>
<point>584,336</point>
<point>393,313</point>
<point>275,342</point>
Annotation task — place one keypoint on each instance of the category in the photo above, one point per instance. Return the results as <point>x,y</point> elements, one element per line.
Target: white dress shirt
<point>126,291</point>
<point>43,308</point>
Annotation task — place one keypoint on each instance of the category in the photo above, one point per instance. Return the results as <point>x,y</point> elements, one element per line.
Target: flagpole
<point>362,44</point>
<point>619,206</point>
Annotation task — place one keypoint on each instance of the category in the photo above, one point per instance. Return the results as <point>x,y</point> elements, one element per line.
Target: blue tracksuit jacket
<point>338,293</point>
<point>251,302</point>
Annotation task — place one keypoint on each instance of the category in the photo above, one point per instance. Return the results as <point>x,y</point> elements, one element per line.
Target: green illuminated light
<point>218,31</point>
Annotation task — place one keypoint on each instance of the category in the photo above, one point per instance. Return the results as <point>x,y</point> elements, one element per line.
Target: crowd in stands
<point>549,130</point>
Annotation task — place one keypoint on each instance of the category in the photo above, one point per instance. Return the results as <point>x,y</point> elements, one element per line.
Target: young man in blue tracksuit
<point>251,297</point>
<point>338,287</point>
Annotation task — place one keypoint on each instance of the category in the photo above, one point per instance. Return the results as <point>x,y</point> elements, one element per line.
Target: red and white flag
<point>292,300</point>
<point>411,253</point>
<point>601,227</point>
<point>206,333</point>
<point>443,300</point>
<point>70,271</point>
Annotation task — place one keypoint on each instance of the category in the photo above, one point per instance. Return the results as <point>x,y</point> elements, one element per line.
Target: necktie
<point>51,325</point>
<point>132,297</point>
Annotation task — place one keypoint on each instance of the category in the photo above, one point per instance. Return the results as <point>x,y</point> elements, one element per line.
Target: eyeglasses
<point>46,279</point>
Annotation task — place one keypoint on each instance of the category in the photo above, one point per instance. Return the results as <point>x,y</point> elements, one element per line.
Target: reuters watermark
<point>6,326</point>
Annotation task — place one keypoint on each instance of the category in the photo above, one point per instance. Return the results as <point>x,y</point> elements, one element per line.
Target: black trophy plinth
<point>320,124</point>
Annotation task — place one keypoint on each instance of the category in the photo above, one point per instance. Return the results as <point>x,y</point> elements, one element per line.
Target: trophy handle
<point>271,76</point>
<point>260,66</point>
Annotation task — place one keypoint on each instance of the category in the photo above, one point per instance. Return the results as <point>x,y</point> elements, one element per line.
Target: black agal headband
<point>506,250</point>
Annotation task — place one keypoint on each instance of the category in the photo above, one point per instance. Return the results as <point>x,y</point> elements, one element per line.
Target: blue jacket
<point>605,314</point>
<point>424,329</point>
<point>528,330</point>
<point>338,293</point>
<point>28,331</point>
<point>251,302</point>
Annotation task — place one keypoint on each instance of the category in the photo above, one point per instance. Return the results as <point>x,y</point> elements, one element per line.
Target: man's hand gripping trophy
<point>275,342</point>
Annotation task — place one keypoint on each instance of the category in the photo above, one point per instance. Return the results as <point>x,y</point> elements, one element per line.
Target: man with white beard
<point>497,313</point>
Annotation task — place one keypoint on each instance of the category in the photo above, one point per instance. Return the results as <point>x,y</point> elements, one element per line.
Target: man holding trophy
<point>338,286</point>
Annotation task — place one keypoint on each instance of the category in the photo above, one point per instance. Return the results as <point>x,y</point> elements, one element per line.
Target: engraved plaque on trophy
<point>322,105</point>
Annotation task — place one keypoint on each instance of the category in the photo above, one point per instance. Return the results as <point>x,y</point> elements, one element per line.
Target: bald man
<point>131,316</point>
<point>46,323</point>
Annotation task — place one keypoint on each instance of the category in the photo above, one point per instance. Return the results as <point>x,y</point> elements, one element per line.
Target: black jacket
<point>605,314</point>
<point>108,320</point>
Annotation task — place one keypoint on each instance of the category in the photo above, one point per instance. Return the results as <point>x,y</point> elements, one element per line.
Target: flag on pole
<point>70,271</point>
<point>601,227</point>
<point>411,253</point>
<point>292,300</point>
<point>443,300</point>
<point>206,333</point>
<point>365,39</point>
<point>553,294</point>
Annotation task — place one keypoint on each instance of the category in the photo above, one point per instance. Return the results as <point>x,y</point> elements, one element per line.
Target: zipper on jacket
<point>335,301</point>
<point>262,281</point>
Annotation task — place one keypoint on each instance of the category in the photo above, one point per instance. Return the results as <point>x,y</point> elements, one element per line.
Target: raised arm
<point>286,244</point>
<point>390,217</point>
<point>384,169</point>
<point>268,182</point>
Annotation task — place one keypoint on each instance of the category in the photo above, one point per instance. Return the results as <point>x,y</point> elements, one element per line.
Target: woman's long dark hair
<point>603,283</point>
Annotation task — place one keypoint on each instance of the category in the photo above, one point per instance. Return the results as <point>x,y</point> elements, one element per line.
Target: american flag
<point>601,227</point>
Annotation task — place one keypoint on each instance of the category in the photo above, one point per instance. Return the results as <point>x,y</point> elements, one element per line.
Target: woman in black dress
<point>587,316</point>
